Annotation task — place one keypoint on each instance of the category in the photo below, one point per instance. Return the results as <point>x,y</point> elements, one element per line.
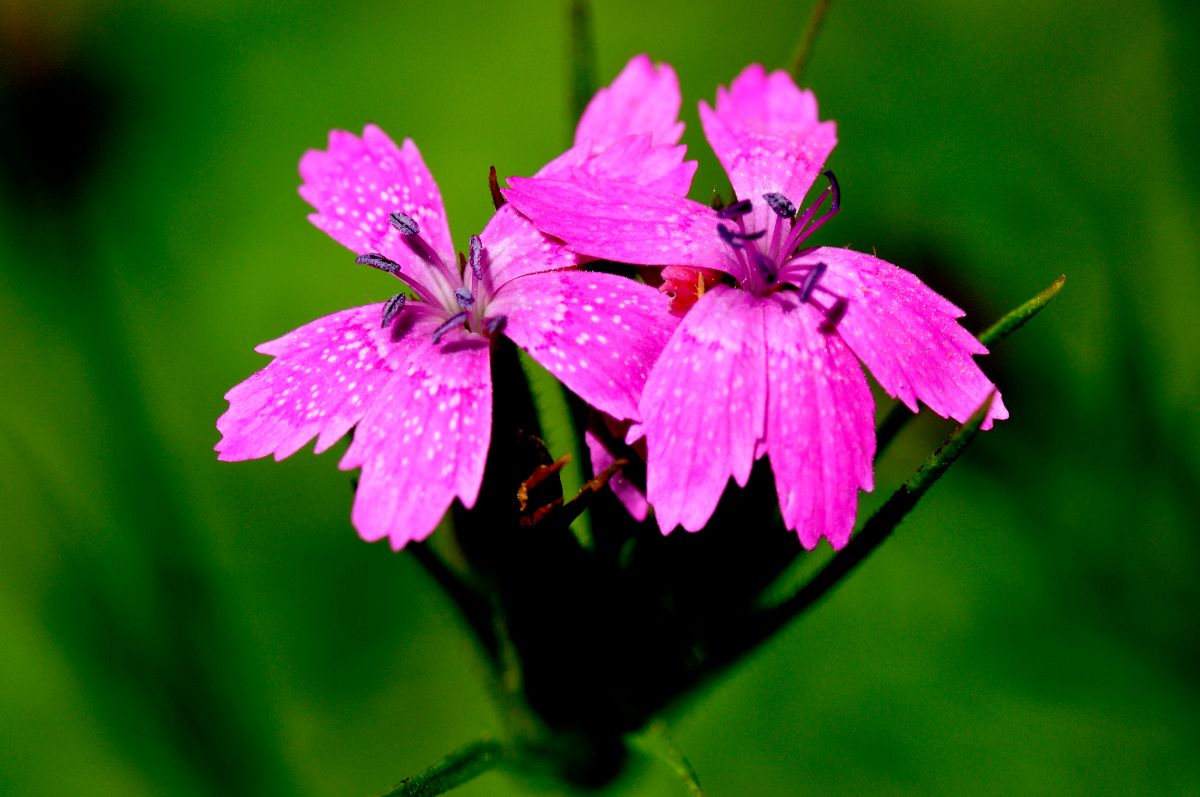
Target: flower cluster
<point>749,347</point>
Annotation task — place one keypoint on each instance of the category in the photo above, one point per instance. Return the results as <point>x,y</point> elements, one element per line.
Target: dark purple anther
<point>392,308</point>
<point>836,204</point>
<point>464,298</point>
<point>810,282</point>
<point>475,258</point>
<point>736,210</point>
<point>375,260</point>
<point>833,316</point>
<point>730,237</point>
<point>404,223</point>
<point>451,322</point>
<point>495,325</point>
<point>782,206</point>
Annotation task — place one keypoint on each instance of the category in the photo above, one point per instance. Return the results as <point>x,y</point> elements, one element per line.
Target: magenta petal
<point>766,133</point>
<point>633,499</point>
<point>324,376</point>
<point>634,159</point>
<point>907,334</point>
<point>644,98</point>
<point>703,408</point>
<point>820,424</point>
<point>356,183</point>
<point>424,440</point>
<point>598,334</point>
<point>622,222</point>
<point>513,247</point>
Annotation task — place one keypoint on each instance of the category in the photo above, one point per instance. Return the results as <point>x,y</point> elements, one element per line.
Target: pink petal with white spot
<point>820,424</point>
<point>513,247</point>
<point>598,334</point>
<point>323,378</point>
<point>703,408</point>
<point>424,440</point>
<point>623,222</point>
<point>766,133</point>
<point>357,182</point>
<point>633,499</point>
<point>907,334</point>
<point>644,98</point>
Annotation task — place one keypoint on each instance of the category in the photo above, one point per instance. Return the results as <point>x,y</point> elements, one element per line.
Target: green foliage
<point>174,625</point>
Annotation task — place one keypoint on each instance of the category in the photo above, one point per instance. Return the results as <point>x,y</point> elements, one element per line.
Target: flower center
<point>449,291</point>
<point>763,258</point>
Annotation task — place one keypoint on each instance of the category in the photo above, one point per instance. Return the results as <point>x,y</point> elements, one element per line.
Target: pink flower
<point>768,365</point>
<point>414,375</point>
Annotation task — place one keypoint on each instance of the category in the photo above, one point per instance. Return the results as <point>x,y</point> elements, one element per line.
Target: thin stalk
<point>805,46</point>
<point>766,623</point>
<point>461,766</point>
<point>583,57</point>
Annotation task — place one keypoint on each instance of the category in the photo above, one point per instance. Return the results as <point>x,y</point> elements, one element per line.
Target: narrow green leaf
<point>899,416</point>
<point>766,623</point>
<point>1017,318</point>
<point>461,766</point>
<point>804,47</point>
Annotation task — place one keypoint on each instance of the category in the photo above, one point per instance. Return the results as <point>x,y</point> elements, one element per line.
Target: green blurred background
<point>172,625</point>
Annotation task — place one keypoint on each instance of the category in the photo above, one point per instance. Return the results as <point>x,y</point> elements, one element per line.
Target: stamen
<point>476,257</point>
<point>496,324</point>
<point>810,282</point>
<point>837,190</point>
<point>833,316</point>
<point>453,321</point>
<point>494,185</point>
<point>404,223</point>
<point>764,265</point>
<point>465,300</point>
<point>782,206</point>
<point>736,210</point>
<point>730,237</point>
<point>376,260</point>
<point>392,308</point>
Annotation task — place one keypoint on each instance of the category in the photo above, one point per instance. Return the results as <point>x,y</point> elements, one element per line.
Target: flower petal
<point>424,440</point>
<point>324,377</point>
<point>357,182</point>
<point>622,222</point>
<point>766,133</point>
<point>598,334</point>
<point>820,424</point>
<point>907,334</point>
<point>644,98</point>
<point>703,408</point>
<point>632,498</point>
<point>513,247</point>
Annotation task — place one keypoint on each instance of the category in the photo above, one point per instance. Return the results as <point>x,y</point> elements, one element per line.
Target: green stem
<point>461,766</point>
<point>583,57</point>
<point>768,622</point>
<point>805,47</point>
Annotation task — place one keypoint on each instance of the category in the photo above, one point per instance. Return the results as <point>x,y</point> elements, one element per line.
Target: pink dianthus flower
<point>768,364</point>
<point>413,373</point>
